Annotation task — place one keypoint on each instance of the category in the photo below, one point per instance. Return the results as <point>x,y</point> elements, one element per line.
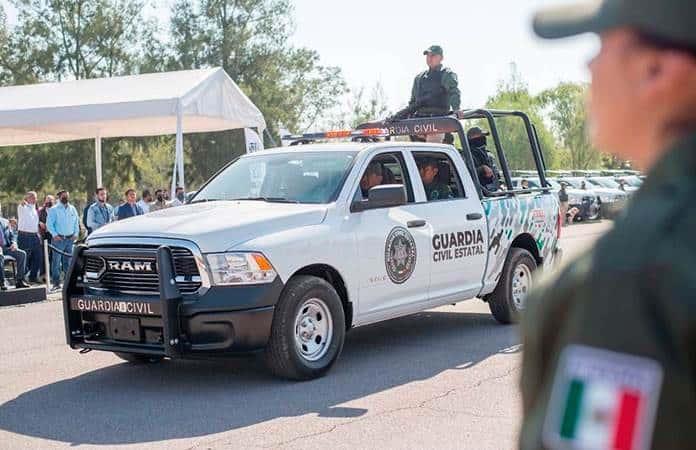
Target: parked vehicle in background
<point>586,201</point>
<point>611,183</point>
<point>633,181</point>
<point>611,200</point>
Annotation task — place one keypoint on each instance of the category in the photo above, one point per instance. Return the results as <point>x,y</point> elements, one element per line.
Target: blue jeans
<point>31,244</point>
<point>60,263</point>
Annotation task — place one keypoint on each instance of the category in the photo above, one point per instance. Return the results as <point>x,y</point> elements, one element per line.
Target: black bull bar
<point>170,302</point>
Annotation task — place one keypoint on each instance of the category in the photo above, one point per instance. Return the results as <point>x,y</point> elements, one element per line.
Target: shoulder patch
<point>602,400</point>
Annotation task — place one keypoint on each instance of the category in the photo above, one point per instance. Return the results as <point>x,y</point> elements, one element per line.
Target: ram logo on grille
<point>132,266</point>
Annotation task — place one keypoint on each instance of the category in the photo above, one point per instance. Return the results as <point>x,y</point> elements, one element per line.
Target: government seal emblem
<point>400,255</point>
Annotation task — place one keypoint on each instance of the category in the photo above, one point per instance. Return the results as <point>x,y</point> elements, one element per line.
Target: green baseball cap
<point>672,20</point>
<point>434,49</point>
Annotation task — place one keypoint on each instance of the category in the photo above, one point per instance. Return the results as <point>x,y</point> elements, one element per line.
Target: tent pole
<point>98,158</point>
<point>180,144</point>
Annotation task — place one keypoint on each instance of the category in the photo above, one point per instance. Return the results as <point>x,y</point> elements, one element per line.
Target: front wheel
<point>308,330</point>
<point>509,298</point>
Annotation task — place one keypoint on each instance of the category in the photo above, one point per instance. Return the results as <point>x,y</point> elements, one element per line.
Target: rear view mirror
<point>384,196</point>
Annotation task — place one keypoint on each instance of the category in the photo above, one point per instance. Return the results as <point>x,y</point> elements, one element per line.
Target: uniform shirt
<point>634,294</point>
<point>437,191</point>
<point>156,205</point>
<point>27,218</point>
<point>449,85</point>
<point>63,220</point>
<point>127,210</point>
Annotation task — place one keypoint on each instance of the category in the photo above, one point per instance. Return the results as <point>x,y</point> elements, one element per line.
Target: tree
<point>360,106</point>
<point>250,40</point>
<point>566,106</point>
<point>513,94</point>
<point>74,39</point>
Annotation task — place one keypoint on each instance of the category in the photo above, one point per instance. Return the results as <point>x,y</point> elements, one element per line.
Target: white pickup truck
<point>285,250</point>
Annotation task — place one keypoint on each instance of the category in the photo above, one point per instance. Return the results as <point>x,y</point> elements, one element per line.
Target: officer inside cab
<point>435,189</point>
<point>372,177</point>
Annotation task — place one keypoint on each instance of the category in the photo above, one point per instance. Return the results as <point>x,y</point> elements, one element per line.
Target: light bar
<point>339,134</point>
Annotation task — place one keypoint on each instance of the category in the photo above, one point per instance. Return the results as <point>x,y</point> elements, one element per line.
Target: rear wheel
<point>308,329</point>
<point>509,298</point>
<point>137,358</point>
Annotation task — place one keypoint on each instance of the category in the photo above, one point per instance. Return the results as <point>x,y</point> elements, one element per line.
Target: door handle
<point>474,216</point>
<point>416,223</point>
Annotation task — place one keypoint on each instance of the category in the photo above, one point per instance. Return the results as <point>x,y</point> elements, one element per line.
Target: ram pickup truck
<point>285,250</point>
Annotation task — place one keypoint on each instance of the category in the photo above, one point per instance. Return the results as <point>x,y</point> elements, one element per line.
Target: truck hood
<point>215,226</point>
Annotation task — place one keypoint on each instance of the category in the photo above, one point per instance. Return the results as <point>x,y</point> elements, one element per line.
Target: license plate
<point>95,303</point>
<point>124,328</point>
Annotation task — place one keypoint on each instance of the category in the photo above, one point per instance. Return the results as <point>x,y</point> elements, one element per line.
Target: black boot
<point>21,284</point>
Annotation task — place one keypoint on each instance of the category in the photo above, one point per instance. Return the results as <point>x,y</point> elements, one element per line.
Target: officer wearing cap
<point>488,177</point>
<point>610,346</point>
<point>435,91</point>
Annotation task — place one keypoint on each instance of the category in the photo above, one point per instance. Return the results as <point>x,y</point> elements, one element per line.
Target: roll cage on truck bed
<point>508,228</point>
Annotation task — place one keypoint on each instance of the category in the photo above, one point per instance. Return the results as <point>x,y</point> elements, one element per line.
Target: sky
<point>383,41</point>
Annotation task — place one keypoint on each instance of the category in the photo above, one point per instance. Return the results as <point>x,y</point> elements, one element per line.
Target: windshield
<point>633,180</point>
<point>302,177</point>
<point>605,183</point>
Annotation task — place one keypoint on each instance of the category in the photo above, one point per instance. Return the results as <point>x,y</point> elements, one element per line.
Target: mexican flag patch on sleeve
<point>602,400</point>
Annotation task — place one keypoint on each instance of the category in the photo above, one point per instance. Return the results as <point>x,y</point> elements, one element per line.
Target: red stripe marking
<point>625,427</point>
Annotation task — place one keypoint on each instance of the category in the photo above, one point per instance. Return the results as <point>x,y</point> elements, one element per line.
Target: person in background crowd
<point>583,186</point>
<point>63,223</point>
<point>49,200</point>
<point>28,238</point>
<point>167,197</point>
<point>563,200</point>
<point>129,208</point>
<point>8,246</point>
<point>85,211</point>
<point>160,202</point>
<point>145,201</point>
<point>524,184</point>
<point>13,226</point>
<point>179,194</point>
<point>100,213</point>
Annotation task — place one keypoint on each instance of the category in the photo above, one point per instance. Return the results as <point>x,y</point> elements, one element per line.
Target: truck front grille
<point>134,270</point>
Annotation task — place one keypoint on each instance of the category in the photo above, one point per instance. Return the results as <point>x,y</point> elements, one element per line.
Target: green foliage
<point>250,40</point>
<point>566,106</point>
<point>513,94</point>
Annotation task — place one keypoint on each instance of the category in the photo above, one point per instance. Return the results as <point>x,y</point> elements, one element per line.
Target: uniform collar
<point>436,69</point>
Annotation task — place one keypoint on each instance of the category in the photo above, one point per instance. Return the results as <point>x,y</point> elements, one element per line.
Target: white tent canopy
<point>188,101</point>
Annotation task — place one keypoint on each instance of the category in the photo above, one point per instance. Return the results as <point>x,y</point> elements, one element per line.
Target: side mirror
<point>384,196</point>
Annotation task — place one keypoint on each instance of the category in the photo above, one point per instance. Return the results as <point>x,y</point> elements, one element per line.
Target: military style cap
<point>434,49</point>
<point>672,20</point>
<point>476,132</point>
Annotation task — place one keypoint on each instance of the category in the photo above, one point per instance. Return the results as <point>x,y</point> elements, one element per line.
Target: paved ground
<point>446,378</point>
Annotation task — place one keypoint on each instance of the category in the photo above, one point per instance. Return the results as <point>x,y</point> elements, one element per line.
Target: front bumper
<point>222,320</point>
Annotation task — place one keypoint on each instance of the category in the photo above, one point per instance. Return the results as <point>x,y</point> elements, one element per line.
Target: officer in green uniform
<point>434,189</point>
<point>610,346</point>
<point>435,91</point>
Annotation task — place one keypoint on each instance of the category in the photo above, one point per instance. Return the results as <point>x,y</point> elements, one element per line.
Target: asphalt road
<point>445,378</point>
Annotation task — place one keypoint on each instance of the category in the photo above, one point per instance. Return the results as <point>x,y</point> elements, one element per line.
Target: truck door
<point>393,243</point>
<point>459,244</point>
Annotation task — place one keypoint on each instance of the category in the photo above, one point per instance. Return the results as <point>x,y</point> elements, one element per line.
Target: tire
<point>137,358</point>
<point>308,307</point>
<point>506,305</point>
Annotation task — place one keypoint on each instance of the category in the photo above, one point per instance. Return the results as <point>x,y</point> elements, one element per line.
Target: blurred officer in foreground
<point>435,91</point>
<point>610,346</point>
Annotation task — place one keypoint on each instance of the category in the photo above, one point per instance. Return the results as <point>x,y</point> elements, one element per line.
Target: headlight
<point>240,268</point>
